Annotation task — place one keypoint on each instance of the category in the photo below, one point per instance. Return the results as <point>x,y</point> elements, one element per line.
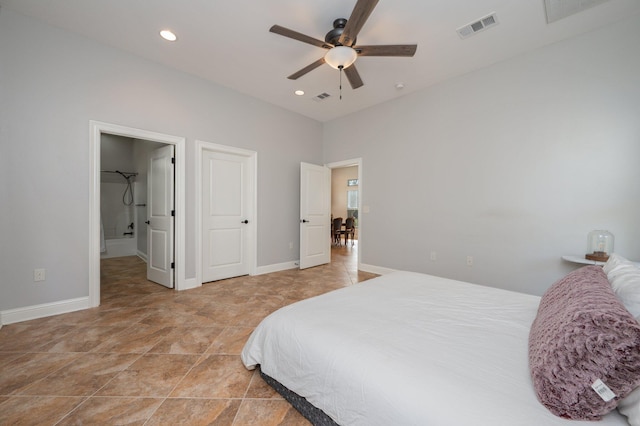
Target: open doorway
<point>126,188</point>
<point>124,165</point>
<point>346,200</point>
<point>148,141</point>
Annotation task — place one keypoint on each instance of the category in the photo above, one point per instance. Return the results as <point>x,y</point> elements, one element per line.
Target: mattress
<point>410,349</point>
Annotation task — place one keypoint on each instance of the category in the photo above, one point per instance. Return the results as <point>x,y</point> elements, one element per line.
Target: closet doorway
<point>226,219</point>
<point>154,188</point>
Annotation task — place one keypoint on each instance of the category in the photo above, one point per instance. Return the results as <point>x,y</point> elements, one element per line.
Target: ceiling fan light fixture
<point>340,57</point>
<point>168,35</point>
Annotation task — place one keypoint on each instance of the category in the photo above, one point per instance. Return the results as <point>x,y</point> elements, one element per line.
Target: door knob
<point>305,221</point>
<point>245,221</point>
<point>148,222</point>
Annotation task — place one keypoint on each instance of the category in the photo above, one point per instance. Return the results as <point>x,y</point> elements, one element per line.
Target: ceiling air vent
<point>477,26</point>
<point>321,97</point>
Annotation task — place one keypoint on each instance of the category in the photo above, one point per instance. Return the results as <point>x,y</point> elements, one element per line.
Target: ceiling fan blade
<point>353,76</point>
<point>277,29</point>
<point>387,50</point>
<point>303,71</point>
<point>359,16</point>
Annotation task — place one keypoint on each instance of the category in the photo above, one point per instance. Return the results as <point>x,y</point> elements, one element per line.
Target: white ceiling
<point>228,41</point>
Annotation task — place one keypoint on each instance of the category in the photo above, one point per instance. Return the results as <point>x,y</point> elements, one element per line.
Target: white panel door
<point>225,215</point>
<point>315,205</point>
<point>160,208</point>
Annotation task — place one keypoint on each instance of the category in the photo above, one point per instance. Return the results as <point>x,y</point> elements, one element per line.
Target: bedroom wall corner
<point>512,164</point>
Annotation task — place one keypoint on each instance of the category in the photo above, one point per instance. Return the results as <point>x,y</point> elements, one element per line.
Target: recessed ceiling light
<point>299,92</point>
<point>168,35</point>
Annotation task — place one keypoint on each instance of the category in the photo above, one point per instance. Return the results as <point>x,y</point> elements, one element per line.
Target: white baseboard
<point>295,264</point>
<point>142,256</point>
<point>189,283</point>
<point>27,313</point>
<point>260,270</point>
<point>375,269</point>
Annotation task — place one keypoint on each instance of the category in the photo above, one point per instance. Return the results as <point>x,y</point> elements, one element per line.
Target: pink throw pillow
<point>582,333</point>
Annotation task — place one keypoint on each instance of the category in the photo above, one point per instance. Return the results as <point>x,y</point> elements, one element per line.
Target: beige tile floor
<point>153,356</point>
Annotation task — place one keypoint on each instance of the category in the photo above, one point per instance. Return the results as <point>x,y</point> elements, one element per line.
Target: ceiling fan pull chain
<point>340,68</point>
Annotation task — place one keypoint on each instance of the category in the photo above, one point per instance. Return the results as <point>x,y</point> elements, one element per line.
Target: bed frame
<point>316,416</point>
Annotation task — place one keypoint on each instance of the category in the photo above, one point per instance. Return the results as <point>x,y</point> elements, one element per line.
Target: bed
<point>412,349</point>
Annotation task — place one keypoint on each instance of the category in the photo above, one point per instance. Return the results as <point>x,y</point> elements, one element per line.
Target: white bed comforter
<point>408,349</point>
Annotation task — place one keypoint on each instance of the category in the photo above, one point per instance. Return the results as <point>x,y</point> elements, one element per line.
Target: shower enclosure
<point>118,213</point>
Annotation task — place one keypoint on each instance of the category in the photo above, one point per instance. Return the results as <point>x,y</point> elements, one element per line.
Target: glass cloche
<point>599,245</point>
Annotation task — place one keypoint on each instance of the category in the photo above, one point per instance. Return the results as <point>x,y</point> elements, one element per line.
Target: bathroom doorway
<point>134,150</point>
<point>124,197</point>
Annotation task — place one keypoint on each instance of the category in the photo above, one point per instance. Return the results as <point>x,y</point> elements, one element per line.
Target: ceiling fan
<point>340,42</point>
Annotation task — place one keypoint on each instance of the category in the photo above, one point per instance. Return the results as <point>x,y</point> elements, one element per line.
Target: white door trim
<point>361,213</point>
<point>253,222</point>
<point>96,129</point>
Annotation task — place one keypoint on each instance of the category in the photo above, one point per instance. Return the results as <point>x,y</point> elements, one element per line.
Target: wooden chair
<point>350,230</point>
<point>336,229</point>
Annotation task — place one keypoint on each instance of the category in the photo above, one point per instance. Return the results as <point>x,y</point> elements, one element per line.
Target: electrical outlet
<point>290,245</point>
<point>39,274</point>
<point>469,260</point>
<point>434,256</point>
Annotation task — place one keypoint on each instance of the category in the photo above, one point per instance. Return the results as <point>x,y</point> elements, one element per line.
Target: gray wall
<point>513,164</point>
<point>52,83</point>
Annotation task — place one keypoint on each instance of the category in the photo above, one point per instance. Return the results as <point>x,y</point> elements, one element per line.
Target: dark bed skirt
<point>316,416</point>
